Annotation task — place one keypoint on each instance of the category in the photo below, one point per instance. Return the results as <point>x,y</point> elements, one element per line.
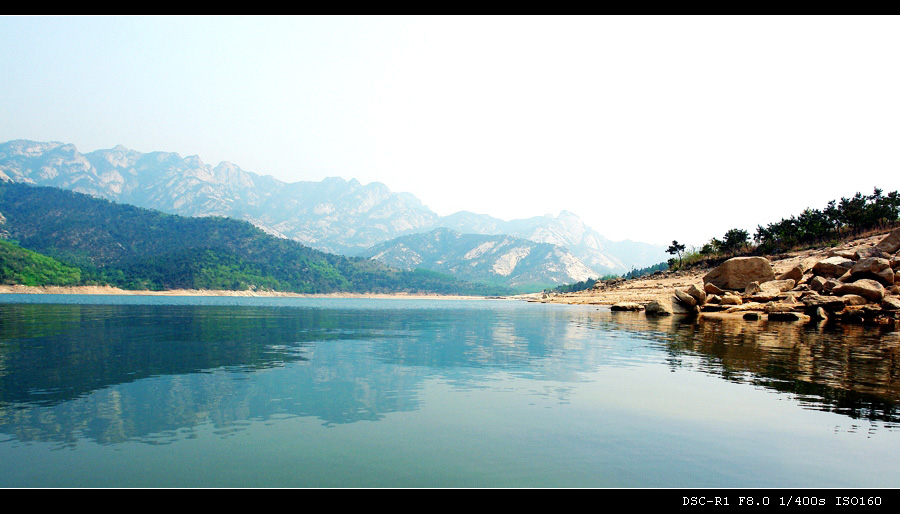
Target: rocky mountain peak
<point>334,215</point>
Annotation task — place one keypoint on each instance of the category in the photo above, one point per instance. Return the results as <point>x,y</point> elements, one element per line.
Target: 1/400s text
<point>784,501</point>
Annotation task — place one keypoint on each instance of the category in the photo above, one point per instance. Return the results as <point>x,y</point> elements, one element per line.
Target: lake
<point>152,391</point>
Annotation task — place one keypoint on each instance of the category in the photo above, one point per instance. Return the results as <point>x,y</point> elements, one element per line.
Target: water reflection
<point>853,370</point>
<point>154,373</point>
<point>112,373</point>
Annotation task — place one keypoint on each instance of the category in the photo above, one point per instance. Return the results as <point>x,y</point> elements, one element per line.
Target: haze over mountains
<point>503,259</point>
<point>334,215</point>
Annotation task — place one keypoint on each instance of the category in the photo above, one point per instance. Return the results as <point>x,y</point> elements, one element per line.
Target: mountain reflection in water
<point>152,373</point>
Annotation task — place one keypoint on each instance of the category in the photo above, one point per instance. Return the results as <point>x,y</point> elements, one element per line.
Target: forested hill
<point>138,248</point>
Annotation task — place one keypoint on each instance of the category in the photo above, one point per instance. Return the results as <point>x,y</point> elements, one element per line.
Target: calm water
<point>245,392</point>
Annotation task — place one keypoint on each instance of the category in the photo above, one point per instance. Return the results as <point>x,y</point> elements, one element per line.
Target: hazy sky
<point>649,128</point>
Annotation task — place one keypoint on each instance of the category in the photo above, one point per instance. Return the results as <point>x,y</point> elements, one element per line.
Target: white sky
<point>649,128</point>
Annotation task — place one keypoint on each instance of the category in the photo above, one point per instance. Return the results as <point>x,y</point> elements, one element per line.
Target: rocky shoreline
<point>852,282</point>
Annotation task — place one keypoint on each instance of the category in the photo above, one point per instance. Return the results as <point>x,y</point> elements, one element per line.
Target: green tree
<point>676,249</point>
<point>734,240</point>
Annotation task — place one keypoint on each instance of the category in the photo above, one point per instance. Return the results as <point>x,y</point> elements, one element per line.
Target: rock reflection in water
<point>848,369</point>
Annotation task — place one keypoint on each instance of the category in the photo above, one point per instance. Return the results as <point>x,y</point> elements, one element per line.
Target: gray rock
<point>737,272</point>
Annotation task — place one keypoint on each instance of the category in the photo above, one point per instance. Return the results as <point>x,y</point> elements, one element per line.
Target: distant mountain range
<point>511,261</point>
<point>82,240</point>
<point>334,215</point>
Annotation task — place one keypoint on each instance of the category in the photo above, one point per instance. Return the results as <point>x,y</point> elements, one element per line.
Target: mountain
<point>334,215</point>
<point>94,240</point>
<point>511,261</point>
<point>566,230</point>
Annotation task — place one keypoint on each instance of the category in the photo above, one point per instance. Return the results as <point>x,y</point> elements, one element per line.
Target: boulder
<point>822,284</point>
<point>891,303</point>
<point>730,299</point>
<point>891,243</point>
<point>814,302</point>
<point>870,265</point>
<point>764,297</point>
<point>832,267</point>
<point>710,288</point>
<point>684,298</point>
<point>795,274</point>
<point>845,253</point>
<point>869,251</point>
<point>698,293</point>
<point>746,306</point>
<point>659,307</point>
<point>817,283</point>
<point>886,277</point>
<point>777,286</point>
<point>867,288</point>
<point>854,299</point>
<point>737,272</point>
<point>876,268</point>
<point>667,305</point>
<point>778,307</point>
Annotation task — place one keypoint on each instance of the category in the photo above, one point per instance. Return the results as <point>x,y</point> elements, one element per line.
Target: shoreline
<point>114,291</point>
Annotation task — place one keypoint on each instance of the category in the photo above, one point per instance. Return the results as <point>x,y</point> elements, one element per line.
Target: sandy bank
<point>108,290</point>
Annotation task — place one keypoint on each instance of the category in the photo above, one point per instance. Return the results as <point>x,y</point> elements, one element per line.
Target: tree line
<point>842,218</point>
<point>839,219</point>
